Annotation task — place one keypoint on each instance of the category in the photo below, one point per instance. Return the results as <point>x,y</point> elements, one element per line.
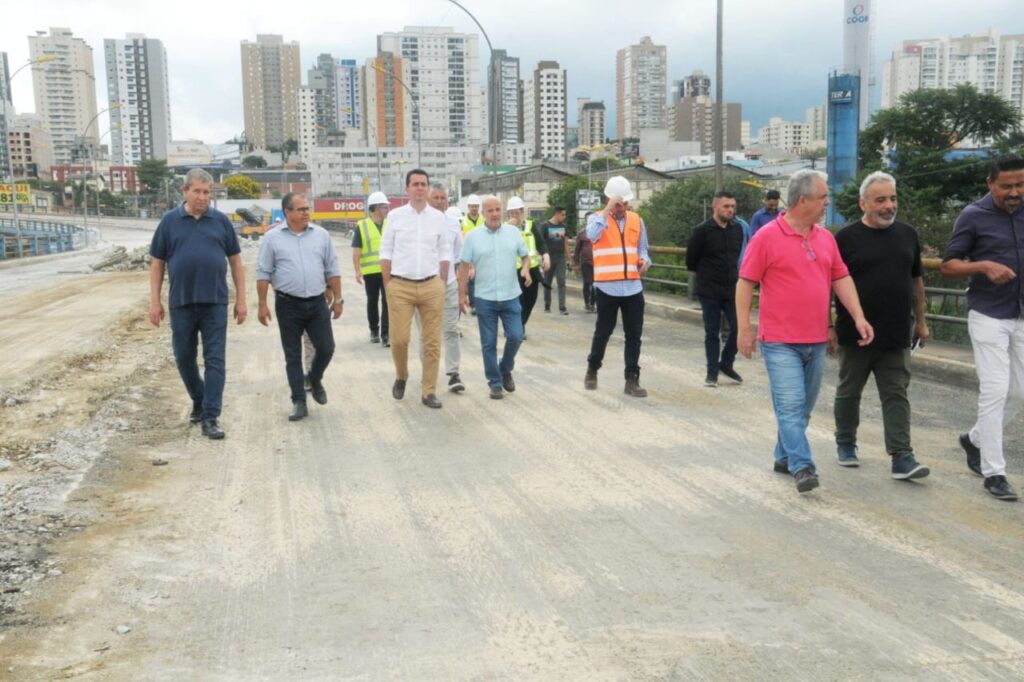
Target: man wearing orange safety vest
<point>621,256</point>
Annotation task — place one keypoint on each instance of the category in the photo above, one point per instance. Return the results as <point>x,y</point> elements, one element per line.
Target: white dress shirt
<point>416,242</point>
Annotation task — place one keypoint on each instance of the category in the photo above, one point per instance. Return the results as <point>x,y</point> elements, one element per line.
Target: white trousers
<point>999,360</point>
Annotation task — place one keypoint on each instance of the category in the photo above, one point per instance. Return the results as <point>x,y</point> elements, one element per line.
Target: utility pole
<point>719,106</point>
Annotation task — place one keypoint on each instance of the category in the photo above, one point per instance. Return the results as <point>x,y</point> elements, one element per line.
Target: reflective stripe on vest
<point>616,254</point>
<point>531,245</point>
<point>468,225</point>
<point>369,256</point>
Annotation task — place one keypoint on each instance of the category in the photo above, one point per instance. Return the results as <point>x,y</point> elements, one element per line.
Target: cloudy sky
<point>777,52</point>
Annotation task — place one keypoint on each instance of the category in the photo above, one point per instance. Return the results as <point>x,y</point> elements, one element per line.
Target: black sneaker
<point>711,380</point>
<point>564,311</point>
<point>496,393</point>
<point>806,480</point>
<point>973,453</point>
<point>999,488</point>
<point>508,383</point>
<point>212,430</point>
<point>781,466</point>
<point>455,384</point>
<point>374,337</point>
<point>846,455</point>
<point>196,415</point>
<point>385,341</point>
<point>732,374</point>
<point>905,467</point>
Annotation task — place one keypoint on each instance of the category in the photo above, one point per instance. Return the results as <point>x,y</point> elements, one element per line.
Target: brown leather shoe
<point>590,381</point>
<point>634,389</point>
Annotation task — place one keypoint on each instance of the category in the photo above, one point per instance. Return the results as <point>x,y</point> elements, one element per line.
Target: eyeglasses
<point>304,209</point>
<point>810,251</point>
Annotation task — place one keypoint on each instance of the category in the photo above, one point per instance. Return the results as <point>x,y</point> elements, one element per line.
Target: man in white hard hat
<point>621,257</point>
<point>537,247</point>
<point>472,220</point>
<point>438,198</point>
<point>366,262</point>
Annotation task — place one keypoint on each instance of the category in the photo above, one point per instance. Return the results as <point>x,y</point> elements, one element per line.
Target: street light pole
<point>491,111</point>
<point>719,132</point>
<point>85,185</point>
<point>416,105</point>
<point>7,145</point>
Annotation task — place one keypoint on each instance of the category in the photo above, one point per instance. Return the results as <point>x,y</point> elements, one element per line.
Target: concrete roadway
<point>556,534</point>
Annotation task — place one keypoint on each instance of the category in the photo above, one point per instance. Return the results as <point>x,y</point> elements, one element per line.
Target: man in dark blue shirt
<point>191,243</point>
<point>766,214</point>
<point>988,246</point>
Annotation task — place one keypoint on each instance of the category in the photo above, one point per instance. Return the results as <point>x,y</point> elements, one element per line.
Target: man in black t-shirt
<point>558,250</point>
<point>884,259</point>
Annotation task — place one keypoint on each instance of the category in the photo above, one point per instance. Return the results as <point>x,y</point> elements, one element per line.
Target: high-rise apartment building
<point>65,91</point>
<point>992,62</point>
<point>311,133</point>
<point>503,99</point>
<point>641,84</point>
<point>139,99</point>
<point>591,123</point>
<point>792,136</point>
<point>31,146</point>
<point>528,96</point>
<point>444,77</point>
<point>816,119</point>
<point>550,110</point>
<point>349,86</point>
<point>692,119</point>
<point>322,80</point>
<point>388,121</point>
<point>271,77</point>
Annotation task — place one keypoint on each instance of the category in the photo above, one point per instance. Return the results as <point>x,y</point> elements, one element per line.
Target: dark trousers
<point>891,368</point>
<point>295,316</point>
<point>714,309</point>
<point>608,308</point>
<point>555,274</point>
<point>374,285</point>
<point>587,271</point>
<point>528,297</point>
<point>188,324</point>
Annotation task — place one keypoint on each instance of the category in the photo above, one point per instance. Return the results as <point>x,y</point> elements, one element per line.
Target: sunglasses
<point>810,251</point>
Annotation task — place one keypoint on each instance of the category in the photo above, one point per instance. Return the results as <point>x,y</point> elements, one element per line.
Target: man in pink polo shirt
<point>798,266</point>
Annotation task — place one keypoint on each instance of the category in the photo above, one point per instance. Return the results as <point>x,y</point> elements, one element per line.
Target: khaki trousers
<point>405,298</point>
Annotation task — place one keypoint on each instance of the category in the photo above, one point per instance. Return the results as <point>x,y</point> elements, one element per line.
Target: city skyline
<point>771,71</point>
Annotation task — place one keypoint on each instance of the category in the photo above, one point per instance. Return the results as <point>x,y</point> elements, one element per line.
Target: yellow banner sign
<point>23,194</point>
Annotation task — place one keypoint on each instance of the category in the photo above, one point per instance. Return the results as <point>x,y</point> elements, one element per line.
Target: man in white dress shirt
<point>415,256</point>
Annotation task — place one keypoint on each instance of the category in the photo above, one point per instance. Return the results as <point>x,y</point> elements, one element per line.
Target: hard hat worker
<point>366,262</point>
<point>537,247</point>
<point>299,261</point>
<point>472,220</point>
<point>621,257</point>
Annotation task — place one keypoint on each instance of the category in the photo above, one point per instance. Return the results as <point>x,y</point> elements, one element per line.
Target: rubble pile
<point>122,260</point>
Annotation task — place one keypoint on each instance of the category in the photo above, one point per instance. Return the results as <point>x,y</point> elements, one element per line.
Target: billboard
<point>350,208</point>
<point>23,194</point>
<point>858,50</point>
<point>843,133</point>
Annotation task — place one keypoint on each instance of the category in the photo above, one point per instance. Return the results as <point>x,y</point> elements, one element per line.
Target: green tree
<point>565,195</point>
<point>243,187</point>
<point>672,213</point>
<point>253,161</point>
<point>606,163</point>
<point>915,140</point>
<point>153,175</point>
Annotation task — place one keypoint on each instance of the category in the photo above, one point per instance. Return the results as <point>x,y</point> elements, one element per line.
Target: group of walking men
<point>434,264</point>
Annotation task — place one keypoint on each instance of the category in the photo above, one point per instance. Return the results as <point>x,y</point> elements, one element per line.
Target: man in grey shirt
<point>297,258</point>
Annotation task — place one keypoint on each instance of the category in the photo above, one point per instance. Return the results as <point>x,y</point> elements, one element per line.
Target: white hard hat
<point>472,200</point>
<point>515,203</point>
<point>618,186</point>
<point>377,198</point>
<point>454,212</point>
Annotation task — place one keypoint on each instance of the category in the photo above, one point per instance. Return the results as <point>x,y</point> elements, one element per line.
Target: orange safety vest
<point>616,253</point>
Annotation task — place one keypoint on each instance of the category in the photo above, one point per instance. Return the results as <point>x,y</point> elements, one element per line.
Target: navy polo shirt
<point>986,232</point>
<point>195,251</point>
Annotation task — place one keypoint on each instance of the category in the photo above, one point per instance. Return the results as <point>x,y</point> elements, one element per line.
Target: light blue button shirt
<point>297,264</point>
<point>493,256</point>
<point>625,287</point>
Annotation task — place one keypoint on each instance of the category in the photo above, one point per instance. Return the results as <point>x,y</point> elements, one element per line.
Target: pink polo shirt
<point>796,276</point>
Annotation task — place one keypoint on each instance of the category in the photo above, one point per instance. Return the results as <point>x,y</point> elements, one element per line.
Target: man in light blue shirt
<point>490,256</point>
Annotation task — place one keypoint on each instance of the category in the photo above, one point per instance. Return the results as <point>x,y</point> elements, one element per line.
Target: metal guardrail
<point>931,264</point>
<point>34,237</point>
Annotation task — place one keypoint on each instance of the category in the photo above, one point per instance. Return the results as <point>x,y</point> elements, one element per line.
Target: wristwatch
<point>338,301</point>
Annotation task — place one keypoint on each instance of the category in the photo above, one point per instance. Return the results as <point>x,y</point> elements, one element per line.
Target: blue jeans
<point>188,323</point>
<point>794,373</point>
<point>487,315</point>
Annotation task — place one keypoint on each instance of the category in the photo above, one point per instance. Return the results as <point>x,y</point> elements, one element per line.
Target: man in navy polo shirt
<point>194,243</point>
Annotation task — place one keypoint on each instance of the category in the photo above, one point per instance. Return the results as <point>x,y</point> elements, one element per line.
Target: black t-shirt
<point>554,237</point>
<point>883,264</point>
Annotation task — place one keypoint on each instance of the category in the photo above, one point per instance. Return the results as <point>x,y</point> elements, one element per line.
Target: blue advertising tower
<point>843,129</point>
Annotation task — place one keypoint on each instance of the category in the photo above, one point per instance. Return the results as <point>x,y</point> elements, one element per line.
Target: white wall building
<point>342,170</point>
<point>198,153</point>
<point>591,123</point>
<point>550,111</point>
<point>139,99</point>
<point>791,136</point>
<point>992,62</point>
<point>65,90</point>
<point>309,124</point>
<point>444,76</point>
<point>503,101</point>
<point>816,119</point>
<point>529,99</point>
<point>641,86</point>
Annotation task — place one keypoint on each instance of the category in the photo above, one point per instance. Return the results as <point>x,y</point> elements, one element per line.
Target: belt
<point>416,281</point>
<point>299,298</point>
